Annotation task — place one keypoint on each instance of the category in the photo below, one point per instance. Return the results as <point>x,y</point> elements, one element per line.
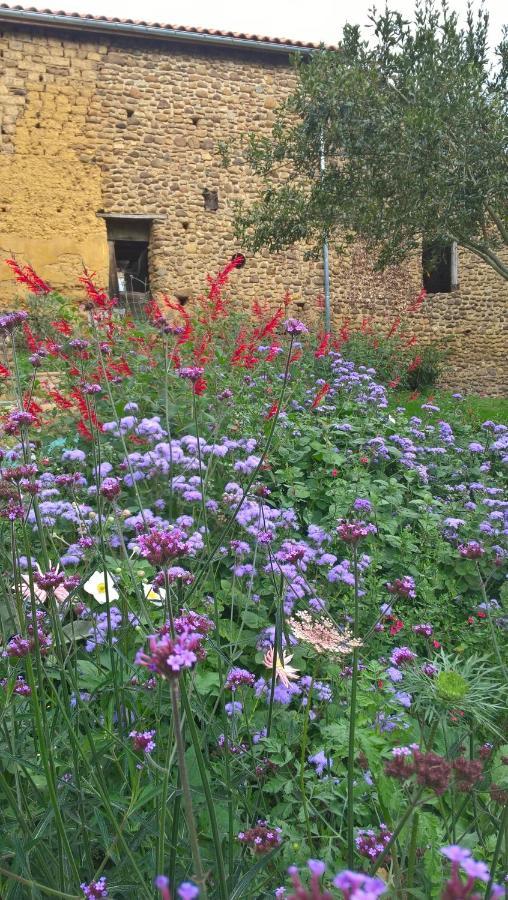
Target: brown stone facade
<point>99,125</point>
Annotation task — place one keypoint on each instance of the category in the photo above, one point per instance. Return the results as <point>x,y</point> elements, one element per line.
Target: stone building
<point>109,132</point>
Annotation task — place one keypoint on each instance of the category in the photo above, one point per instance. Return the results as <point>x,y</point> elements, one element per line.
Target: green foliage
<point>413,128</point>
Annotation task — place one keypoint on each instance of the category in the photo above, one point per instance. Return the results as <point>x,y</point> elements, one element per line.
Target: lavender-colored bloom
<point>237,677</point>
<point>295,326</point>
<point>95,889</point>
<point>320,761</point>
<point>362,505</point>
<point>234,708</point>
<point>187,891</point>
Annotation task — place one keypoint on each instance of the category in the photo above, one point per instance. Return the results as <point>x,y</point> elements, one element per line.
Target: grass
<point>475,409</point>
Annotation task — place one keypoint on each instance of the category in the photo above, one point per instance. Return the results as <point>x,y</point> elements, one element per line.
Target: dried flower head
<point>322,634</point>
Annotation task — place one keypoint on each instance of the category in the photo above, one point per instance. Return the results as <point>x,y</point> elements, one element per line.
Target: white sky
<point>311,20</point>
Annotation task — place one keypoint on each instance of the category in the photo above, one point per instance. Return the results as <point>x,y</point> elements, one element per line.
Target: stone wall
<point>130,127</point>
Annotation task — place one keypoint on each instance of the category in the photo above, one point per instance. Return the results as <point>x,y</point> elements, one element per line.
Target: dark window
<point>437,265</point>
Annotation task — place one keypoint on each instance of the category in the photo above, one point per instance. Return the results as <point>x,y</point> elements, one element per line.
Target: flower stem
<point>352,726</point>
<point>186,792</point>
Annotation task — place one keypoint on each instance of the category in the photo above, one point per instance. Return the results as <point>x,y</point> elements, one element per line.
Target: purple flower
<point>320,761</point>
<point>236,677</point>
<point>295,326</point>
<point>159,547</point>
<point>95,889</point>
<point>233,708</point>
<point>187,891</point>
<point>143,740</point>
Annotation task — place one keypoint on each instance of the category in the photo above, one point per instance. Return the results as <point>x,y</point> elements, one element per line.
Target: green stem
<point>302,763</point>
<point>352,726</point>
<point>186,791</point>
<point>221,874</point>
<point>411,858</point>
<point>398,828</point>
<point>501,835</point>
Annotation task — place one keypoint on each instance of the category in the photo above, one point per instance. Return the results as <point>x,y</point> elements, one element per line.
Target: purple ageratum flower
<point>320,761</point>
<point>95,889</point>
<point>476,447</point>
<point>295,326</point>
<point>362,505</point>
<point>159,547</point>
<point>234,708</point>
<point>143,740</point>
<point>187,891</point>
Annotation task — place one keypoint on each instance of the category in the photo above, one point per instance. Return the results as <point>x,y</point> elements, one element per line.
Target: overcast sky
<point>312,20</point>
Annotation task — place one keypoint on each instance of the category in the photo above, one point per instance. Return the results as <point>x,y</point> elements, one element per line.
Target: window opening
<point>439,267</point>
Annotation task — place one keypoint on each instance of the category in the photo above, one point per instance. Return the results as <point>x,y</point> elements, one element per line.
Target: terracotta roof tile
<point>186,29</point>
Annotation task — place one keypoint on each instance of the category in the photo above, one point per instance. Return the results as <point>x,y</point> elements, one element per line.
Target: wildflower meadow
<point>253,611</point>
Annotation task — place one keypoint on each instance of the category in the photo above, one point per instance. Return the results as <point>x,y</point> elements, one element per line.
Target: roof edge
<point>73,22</point>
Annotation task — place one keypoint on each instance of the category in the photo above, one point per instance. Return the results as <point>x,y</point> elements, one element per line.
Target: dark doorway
<point>129,279</point>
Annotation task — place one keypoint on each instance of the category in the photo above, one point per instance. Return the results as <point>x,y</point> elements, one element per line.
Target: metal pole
<point>326,263</point>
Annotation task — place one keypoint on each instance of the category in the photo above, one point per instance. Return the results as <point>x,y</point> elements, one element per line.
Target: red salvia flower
<point>414,363</point>
<point>414,395</point>
<point>344,331</point>
<point>219,282</point>
<point>199,386</point>
<point>296,356</point>
<point>26,275</point>
<point>84,431</point>
<point>96,295</point>
<point>272,411</point>
<point>394,383</point>
<point>272,324</point>
<point>416,304</point>
<point>32,344</point>
<point>4,372</point>
<point>365,326</point>
<point>395,327</point>
<point>411,341</point>
<point>320,395</point>
<point>62,327</point>
<point>59,399</point>
<point>322,348</point>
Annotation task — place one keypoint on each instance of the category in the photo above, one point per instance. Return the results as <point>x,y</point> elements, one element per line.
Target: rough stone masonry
<point>96,124</point>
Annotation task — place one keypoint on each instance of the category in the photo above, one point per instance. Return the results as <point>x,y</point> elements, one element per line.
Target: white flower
<point>155,595</point>
<point>96,586</point>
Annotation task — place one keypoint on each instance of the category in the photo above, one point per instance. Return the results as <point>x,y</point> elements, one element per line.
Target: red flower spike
<point>4,372</point>
<point>322,348</point>
<point>26,275</point>
<point>98,297</point>
<point>415,306</point>
<point>394,328</point>
<point>272,411</point>
<point>320,395</point>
